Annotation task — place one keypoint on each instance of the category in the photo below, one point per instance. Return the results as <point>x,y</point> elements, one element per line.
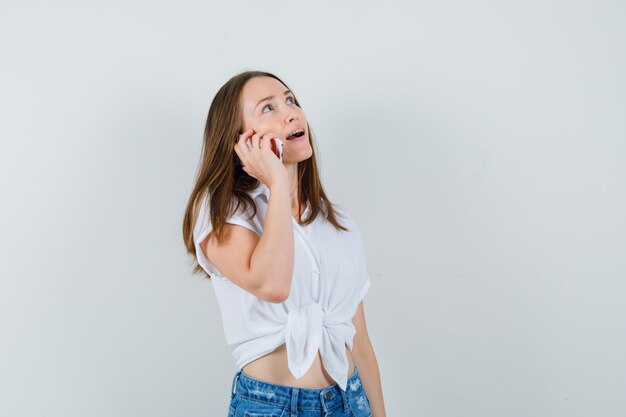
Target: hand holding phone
<point>254,150</point>
<point>276,146</point>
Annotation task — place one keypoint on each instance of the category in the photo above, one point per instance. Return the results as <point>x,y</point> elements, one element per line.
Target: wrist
<point>279,179</point>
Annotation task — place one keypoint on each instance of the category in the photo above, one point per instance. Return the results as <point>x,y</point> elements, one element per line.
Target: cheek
<point>254,122</point>
<point>267,126</point>
<point>257,127</point>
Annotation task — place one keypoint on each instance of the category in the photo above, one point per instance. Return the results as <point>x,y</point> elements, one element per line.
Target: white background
<point>479,145</point>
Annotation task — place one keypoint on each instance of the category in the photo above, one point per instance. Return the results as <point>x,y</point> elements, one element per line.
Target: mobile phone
<point>277,147</point>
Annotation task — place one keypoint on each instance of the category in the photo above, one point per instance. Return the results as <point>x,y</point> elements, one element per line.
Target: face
<point>278,115</point>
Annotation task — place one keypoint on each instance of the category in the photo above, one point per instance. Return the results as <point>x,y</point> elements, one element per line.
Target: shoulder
<point>345,218</point>
<point>239,213</point>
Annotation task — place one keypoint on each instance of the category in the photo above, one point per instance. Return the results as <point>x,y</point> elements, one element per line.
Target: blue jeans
<point>251,397</point>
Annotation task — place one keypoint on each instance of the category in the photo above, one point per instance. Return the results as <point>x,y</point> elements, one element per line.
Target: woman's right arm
<point>271,263</point>
<point>262,266</point>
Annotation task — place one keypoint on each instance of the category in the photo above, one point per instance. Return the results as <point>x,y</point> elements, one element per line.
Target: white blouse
<point>329,280</point>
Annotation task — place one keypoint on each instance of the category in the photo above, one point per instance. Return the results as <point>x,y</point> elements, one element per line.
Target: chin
<point>298,158</point>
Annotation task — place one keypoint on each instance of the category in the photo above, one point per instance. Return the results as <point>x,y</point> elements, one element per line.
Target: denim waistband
<point>295,398</point>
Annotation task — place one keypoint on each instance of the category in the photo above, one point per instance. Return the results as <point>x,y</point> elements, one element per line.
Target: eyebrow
<point>269,98</point>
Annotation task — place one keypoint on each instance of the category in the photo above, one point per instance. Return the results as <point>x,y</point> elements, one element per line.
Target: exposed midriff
<point>273,368</point>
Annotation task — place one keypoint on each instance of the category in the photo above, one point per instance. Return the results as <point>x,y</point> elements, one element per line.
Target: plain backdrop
<point>479,145</point>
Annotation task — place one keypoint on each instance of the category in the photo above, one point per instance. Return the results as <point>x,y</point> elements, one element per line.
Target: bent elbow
<point>276,294</point>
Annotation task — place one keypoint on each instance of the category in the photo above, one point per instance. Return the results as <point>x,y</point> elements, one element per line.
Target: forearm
<point>277,239</point>
<point>370,374</point>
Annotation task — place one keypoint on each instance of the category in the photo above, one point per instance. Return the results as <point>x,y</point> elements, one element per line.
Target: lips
<point>296,133</point>
<point>297,139</point>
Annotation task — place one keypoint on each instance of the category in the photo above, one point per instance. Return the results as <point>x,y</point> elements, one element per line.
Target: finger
<point>243,136</point>
<point>267,138</point>
<point>247,138</point>
<point>255,142</point>
<point>241,139</point>
<point>246,143</point>
<point>241,147</point>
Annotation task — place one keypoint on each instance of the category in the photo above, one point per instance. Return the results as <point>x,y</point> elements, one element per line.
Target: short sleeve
<point>242,220</point>
<point>365,287</point>
<point>203,227</point>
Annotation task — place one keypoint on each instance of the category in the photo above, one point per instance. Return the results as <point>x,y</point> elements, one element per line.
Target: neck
<point>292,175</point>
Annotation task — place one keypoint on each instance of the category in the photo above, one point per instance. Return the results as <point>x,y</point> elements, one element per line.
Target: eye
<point>269,105</point>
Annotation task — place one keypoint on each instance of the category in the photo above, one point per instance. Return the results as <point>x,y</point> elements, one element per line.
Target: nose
<point>290,115</point>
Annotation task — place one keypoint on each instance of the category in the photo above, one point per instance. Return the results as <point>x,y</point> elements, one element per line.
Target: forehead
<point>258,88</point>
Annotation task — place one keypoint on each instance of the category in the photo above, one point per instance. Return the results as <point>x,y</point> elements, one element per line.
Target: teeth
<point>297,131</point>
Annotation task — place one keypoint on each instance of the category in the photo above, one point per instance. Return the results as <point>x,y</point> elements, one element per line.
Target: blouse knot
<point>311,327</point>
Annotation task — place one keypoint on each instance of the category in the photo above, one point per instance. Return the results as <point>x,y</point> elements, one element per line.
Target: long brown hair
<point>226,182</point>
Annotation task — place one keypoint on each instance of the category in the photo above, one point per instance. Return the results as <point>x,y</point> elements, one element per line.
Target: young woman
<point>289,277</point>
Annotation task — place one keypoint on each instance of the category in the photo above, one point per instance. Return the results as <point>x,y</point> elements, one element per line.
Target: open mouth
<point>297,134</point>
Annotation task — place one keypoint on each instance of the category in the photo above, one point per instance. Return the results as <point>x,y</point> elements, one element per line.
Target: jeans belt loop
<point>294,401</point>
<point>233,389</point>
